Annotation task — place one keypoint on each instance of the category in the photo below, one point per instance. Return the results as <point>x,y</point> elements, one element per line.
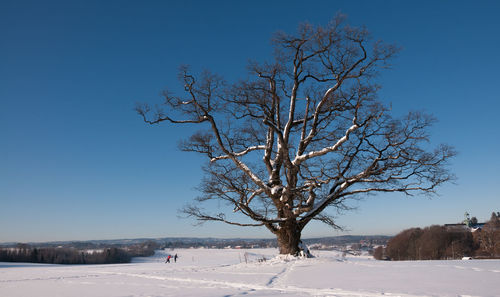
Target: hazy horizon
<point>181,237</point>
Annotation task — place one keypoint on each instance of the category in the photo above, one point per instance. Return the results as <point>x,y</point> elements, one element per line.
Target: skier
<point>175,258</point>
<point>168,259</point>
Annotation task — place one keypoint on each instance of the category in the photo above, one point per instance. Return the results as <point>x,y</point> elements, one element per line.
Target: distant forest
<point>70,255</point>
<point>441,243</point>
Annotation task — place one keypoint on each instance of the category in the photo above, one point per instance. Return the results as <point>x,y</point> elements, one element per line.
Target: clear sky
<point>77,163</point>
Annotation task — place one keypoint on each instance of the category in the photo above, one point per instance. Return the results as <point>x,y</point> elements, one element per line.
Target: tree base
<point>302,252</point>
<point>289,257</point>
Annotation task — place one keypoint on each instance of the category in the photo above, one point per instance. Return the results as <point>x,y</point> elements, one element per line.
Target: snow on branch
<point>300,159</point>
<point>242,153</point>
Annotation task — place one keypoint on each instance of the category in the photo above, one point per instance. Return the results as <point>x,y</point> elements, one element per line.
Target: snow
<point>276,189</point>
<point>241,272</point>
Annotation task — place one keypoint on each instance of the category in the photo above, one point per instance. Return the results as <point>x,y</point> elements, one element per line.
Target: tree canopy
<point>304,133</point>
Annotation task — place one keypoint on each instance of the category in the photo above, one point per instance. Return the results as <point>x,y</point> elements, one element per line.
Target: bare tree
<point>302,134</point>
<point>490,236</point>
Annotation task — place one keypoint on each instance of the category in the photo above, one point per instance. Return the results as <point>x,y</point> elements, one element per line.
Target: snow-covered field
<point>208,272</point>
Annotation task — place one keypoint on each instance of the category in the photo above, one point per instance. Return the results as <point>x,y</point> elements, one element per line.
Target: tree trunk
<point>289,238</point>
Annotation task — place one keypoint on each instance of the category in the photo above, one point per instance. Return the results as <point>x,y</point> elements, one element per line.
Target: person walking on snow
<point>168,259</point>
<point>175,258</point>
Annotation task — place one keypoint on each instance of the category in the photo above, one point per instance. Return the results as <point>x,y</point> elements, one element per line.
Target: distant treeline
<point>219,243</point>
<point>440,243</point>
<point>64,255</point>
<point>267,243</point>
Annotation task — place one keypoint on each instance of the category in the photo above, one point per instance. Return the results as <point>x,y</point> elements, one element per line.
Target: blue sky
<point>77,163</point>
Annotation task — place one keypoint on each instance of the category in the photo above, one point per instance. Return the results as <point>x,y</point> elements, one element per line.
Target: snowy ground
<point>207,272</point>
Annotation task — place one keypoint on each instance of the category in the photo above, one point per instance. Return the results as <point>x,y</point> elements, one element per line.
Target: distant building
<point>470,224</point>
<point>464,227</point>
